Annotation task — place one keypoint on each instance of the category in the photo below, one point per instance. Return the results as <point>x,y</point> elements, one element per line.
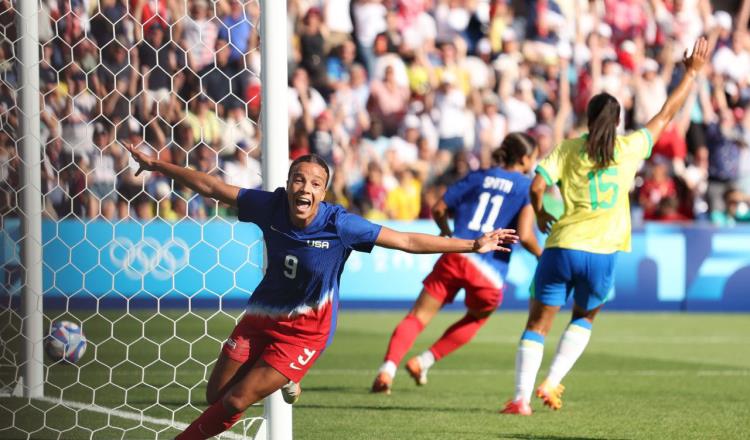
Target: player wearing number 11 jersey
<point>482,201</point>
<point>595,174</point>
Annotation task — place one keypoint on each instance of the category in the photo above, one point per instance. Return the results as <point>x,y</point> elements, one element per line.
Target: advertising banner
<point>671,267</point>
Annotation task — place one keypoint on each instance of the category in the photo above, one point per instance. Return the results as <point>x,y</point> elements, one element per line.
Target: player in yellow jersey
<point>595,173</point>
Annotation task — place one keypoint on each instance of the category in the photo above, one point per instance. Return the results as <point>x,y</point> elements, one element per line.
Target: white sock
<point>426,359</point>
<point>389,368</point>
<point>572,343</point>
<point>528,360</point>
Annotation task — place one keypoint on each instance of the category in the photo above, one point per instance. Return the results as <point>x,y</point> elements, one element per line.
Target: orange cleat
<point>382,384</point>
<point>414,367</point>
<point>517,407</point>
<point>551,396</point>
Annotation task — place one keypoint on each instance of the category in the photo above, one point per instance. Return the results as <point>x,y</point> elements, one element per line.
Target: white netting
<point>132,259</point>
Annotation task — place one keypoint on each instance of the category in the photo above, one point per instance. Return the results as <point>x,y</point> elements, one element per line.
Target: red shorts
<point>453,272</point>
<point>261,337</point>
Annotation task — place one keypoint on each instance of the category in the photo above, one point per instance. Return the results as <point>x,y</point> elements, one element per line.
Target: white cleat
<point>419,374</point>
<point>291,392</point>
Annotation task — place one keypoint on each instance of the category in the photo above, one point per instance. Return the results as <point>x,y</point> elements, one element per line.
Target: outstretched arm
<point>202,183</point>
<point>693,65</point>
<point>416,243</point>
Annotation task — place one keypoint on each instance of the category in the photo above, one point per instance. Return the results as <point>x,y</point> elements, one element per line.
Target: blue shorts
<point>589,276</point>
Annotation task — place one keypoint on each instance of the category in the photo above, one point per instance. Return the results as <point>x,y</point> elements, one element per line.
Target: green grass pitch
<point>644,376</point>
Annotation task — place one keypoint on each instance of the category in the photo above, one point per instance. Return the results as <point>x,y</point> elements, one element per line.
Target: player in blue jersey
<point>291,315</point>
<point>482,201</point>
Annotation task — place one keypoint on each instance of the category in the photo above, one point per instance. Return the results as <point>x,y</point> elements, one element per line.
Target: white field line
<point>661,340</point>
<point>461,372</point>
<point>128,415</point>
<point>728,372</point>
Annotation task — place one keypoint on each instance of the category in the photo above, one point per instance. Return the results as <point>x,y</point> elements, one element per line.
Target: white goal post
<point>155,277</point>
<point>275,121</point>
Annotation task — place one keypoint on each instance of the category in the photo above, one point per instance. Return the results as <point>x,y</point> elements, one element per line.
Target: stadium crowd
<point>401,97</point>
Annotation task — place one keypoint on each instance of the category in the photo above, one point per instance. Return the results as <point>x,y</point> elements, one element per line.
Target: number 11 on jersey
<point>476,221</point>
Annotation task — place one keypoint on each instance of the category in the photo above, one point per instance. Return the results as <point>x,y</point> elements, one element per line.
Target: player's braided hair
<point>512,150</point>
<point>312,158</point>
<point>603,114</point>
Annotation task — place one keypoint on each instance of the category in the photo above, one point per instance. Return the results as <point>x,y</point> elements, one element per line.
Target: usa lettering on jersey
<point>320,244</point>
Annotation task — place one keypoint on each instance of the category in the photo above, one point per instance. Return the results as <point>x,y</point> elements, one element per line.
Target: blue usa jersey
<point>484,201</point>
<point>303,266</point>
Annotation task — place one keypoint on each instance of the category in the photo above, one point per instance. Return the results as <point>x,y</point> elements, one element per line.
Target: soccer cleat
<point>414,367</point>
<point>517,407</point>
<point>291,392</point>
<point>551,396</point>
<point>382,383</point>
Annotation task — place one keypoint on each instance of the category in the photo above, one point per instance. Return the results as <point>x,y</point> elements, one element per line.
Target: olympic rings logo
<point>149,257</point>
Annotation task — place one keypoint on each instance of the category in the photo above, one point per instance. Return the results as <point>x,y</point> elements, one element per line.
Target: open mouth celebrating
<point>302,204</point>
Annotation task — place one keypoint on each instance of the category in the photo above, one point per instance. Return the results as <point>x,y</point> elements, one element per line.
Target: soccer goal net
<point>155,276</point>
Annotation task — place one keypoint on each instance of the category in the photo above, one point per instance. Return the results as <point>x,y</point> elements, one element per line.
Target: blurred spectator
<point>388,101</point>
<point>657,187</point>
<point>242,169</point>
<point>403,201</point>
<point>101,181</point>
<point>723,136</point>
<point>735,210</point>
<point>110,11</point>
<point>199,33</point>
<point>491,128</point>
<point>237,29</point>
<point>236,129</point>
<point>452,18</point>
<point>305,102</point>
<point>222,81</point>
<point>402,97</point>
<point>338,21</point>
<point>203,121</point>
<point>349,103</point>
<point>375,193</point>
<point>696,180</point>
<point>312,46</point>
<point>340,64</point>
<point>734,60</point>
<point>369,21</point>
<point>450,104</point>
<point>338,192</point>
<point>160,60</point>
<point>323,140</point>
<point>518,108</point>
<point>668,210</point>
<point>77,113</point>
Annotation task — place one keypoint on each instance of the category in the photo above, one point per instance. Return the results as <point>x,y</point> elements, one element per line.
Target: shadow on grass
<point>331,389</point>
<point>451,409</point>
<point>555,437</point>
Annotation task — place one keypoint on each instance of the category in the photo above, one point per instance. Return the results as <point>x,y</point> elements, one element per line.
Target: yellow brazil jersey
<point>597,209</point>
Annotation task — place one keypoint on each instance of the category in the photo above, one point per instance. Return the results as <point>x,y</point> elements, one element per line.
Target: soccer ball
<point>65,342</point>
